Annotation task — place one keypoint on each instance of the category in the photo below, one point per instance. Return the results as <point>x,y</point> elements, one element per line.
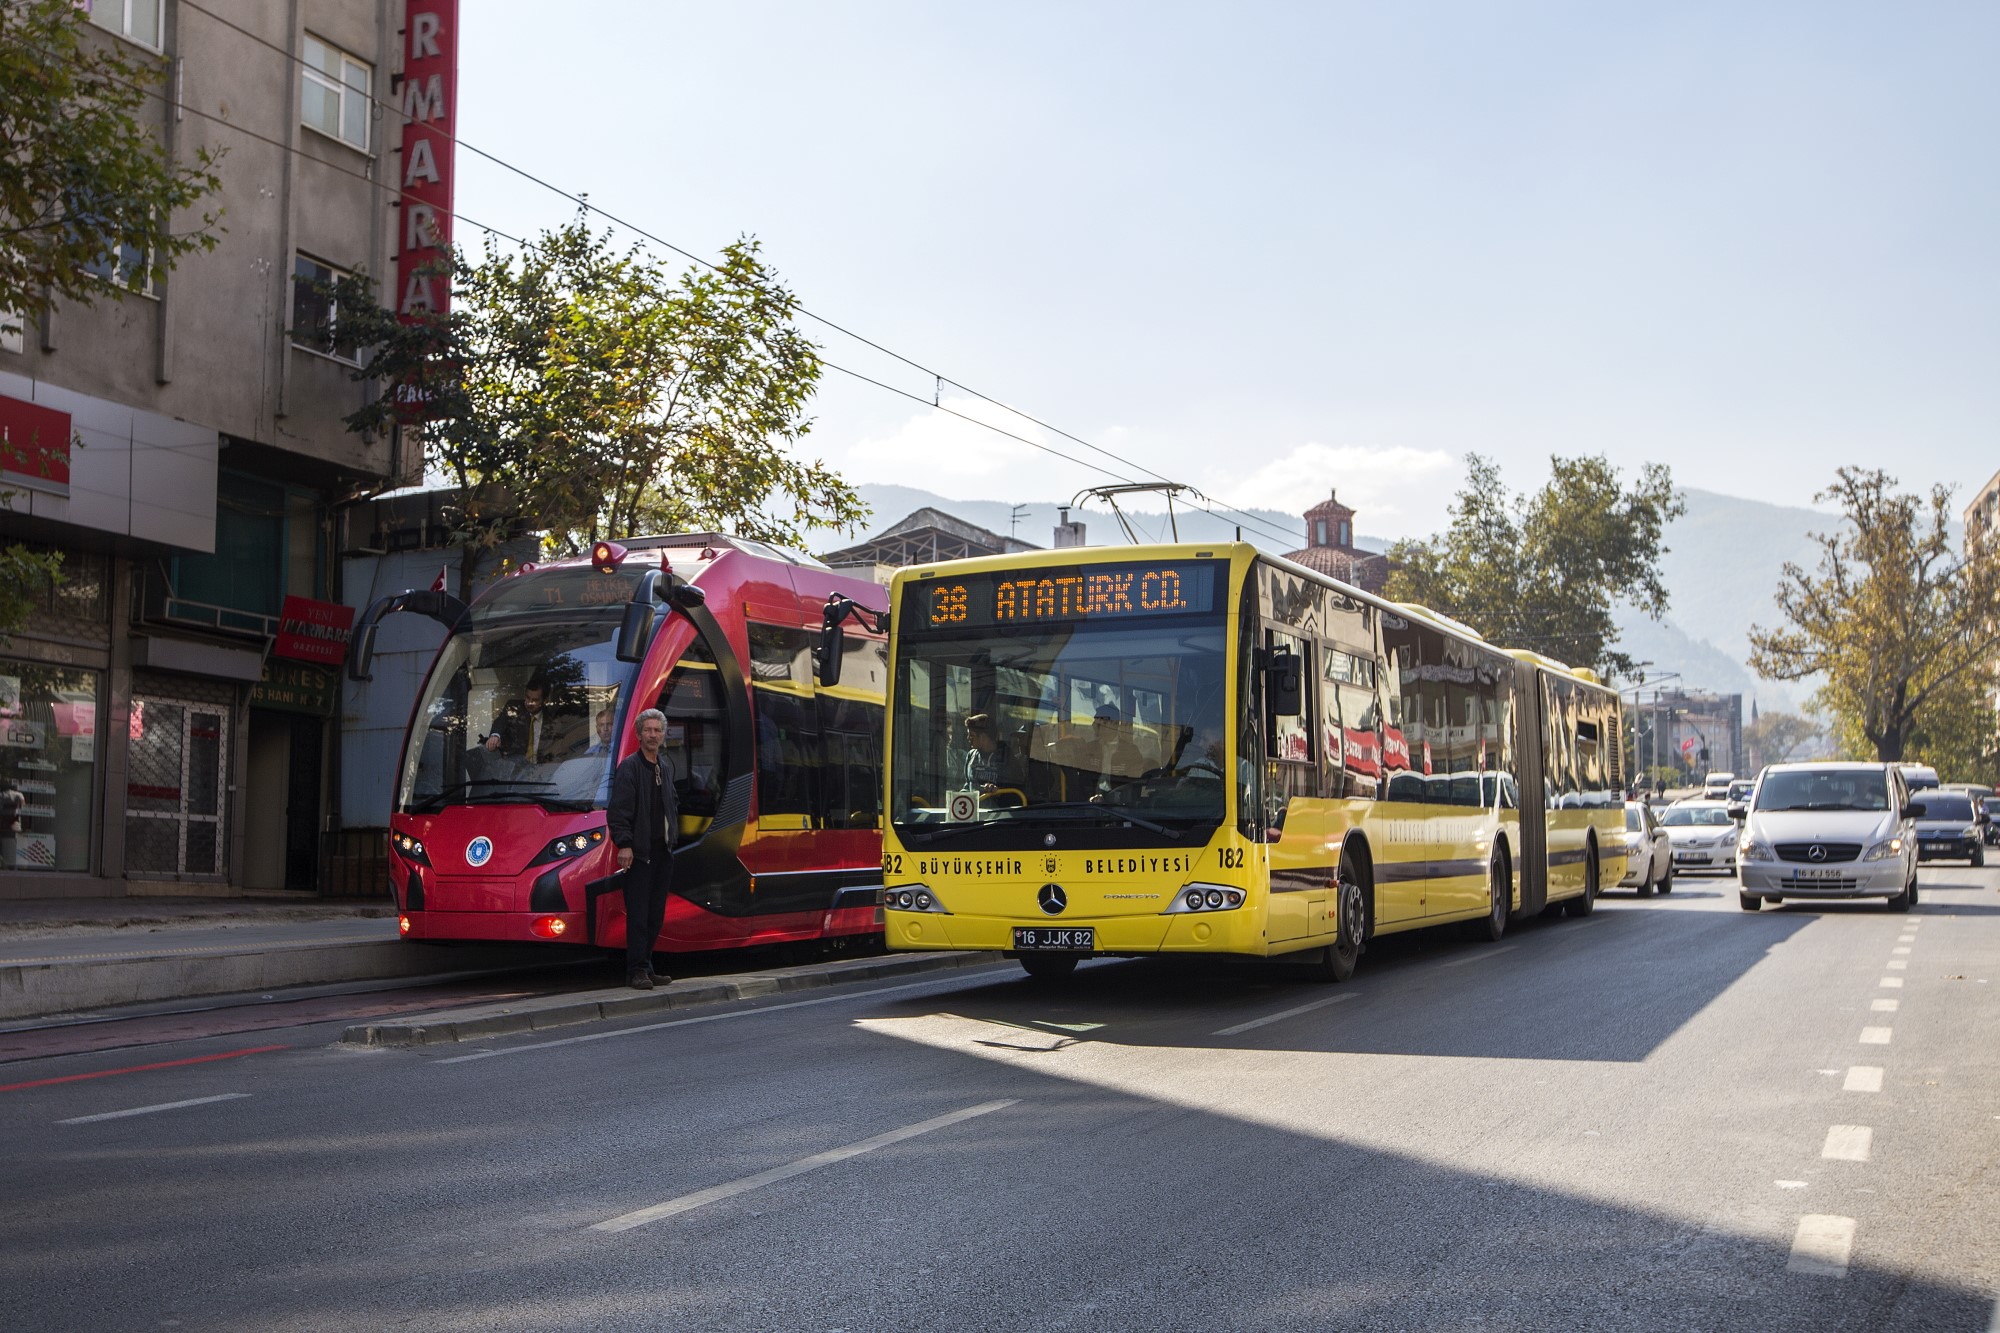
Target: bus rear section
<point>499,828</point>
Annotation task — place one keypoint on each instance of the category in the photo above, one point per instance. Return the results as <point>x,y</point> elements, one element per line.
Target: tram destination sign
<point>1065,595</point>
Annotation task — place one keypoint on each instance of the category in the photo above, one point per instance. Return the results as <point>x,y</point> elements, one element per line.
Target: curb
<point>67,986</point>
<point>448,1026</point>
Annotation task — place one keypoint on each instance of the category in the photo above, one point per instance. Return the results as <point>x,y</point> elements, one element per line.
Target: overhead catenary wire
<point>937,377</point>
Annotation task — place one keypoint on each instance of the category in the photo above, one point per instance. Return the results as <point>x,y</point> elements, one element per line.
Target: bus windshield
<point>1091,723</point>
<point>520,709</point>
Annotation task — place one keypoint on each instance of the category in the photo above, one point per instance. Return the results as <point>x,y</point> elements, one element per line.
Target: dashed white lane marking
<point>1875,1036</point>
<point>148,1110</point>
<point>687,1202</point>
<point>1822,1246</point>
<point>1898,964</point>
<point>1848,1143</point>
<point>1285,1013</point>
<point>1863,1078</point>
<point>1789,1184</point>
<point>1885,1006</point>
<point>1892,983</point>
<point>1906,939</point>
<point>1913,921</point>
<point>712,1018</point>
<point>1898,949</point>
<point>1481,956</point>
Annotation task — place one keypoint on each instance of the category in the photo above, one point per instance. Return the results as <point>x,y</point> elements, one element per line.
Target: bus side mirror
<point>826,658</point>
<point>635,632</point>
<point>1283,685</point>
<point>361,655</point>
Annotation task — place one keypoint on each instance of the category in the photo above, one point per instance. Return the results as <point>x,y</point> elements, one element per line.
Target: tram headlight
<point>913,898</point>
<point>412,848</point>
<point>570,846</point>
<point>1205,898</point>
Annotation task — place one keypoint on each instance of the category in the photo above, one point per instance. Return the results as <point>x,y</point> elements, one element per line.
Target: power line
<point>937,376</point>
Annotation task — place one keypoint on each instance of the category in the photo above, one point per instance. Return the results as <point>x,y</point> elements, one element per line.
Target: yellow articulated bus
<point>1203,749</point>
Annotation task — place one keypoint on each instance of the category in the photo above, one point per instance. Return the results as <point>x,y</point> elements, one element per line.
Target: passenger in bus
<point>990,763</point>
<point>531,729</point>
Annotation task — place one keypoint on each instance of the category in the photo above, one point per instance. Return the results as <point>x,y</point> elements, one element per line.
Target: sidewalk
<point>73,956</point>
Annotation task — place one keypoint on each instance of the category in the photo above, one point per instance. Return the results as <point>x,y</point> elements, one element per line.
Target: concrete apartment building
<point>170,713</point>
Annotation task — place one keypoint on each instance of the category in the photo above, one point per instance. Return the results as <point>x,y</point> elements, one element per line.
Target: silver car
<point>1828,831</point>
<point>1649,853</point>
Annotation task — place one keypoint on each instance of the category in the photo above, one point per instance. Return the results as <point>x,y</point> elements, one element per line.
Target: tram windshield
<point>1101,723</point>
<point>524,704</point>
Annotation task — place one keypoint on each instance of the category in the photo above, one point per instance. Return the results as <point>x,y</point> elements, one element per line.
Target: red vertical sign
<point>430,133</point>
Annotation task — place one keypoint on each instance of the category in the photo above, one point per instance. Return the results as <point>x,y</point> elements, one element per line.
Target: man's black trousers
<point>646,885</point>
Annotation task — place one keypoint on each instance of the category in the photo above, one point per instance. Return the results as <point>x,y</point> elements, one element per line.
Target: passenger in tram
<point>607,718</point>
<point>533,730</point>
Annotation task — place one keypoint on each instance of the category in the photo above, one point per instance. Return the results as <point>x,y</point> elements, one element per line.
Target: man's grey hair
<point>639,722</point>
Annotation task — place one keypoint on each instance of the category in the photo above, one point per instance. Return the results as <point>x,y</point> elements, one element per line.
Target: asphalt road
<point>1672,1114</point>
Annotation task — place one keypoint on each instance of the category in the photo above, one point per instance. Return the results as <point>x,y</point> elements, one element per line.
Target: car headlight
<point>913,898</point>
<point>1884,850</point>
<point>1752,849</point>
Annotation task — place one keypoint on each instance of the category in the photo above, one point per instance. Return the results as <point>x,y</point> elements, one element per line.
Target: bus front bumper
<point>1234,931</point>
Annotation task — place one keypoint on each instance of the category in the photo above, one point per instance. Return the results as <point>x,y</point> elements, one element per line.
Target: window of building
<point>136,20</point>
<point>333,97</point>
<point>316,311</point>
<point>48,753</point>
<point>128,266</point>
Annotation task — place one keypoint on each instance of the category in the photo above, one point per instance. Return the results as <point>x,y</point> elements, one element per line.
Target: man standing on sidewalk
<point>644,816</point>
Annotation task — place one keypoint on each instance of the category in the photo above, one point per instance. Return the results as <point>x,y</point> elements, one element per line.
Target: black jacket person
<point>643,817</point>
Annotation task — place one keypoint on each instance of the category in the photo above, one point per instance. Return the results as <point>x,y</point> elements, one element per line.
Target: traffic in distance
<point>1080,753</point>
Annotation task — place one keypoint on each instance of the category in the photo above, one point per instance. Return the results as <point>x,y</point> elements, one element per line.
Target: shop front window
<point>48,753</point>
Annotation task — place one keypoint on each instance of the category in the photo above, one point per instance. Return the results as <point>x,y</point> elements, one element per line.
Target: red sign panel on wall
<point>430,129</point>
<point>34,446</point>
<point>313,631</point>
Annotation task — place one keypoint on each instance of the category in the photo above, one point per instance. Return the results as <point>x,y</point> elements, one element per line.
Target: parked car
<point>1978,791</point>
<point>1702,834</point>
<point>1649,852</point>
<point>1992,829</point>
<point>1828,830</point>
<point>1948,829</point>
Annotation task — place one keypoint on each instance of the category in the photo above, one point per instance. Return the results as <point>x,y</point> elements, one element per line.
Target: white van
<point>1715,787</point>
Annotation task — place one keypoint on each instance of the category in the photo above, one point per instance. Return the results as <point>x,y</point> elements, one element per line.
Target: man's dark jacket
<point>633,816</point>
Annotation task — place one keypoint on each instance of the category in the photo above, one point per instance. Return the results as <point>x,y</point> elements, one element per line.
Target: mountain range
<point>1724,558</point>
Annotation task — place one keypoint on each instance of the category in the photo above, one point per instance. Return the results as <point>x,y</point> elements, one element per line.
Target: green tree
<point>1895,619</point>
<point>87,200</point>
<point>1544,571</point>
<point>603,395</point>
<point>87,194</point>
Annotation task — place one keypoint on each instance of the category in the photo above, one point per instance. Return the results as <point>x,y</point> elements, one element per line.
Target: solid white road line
<point>688,1202</point>
<point>1863,1078</point>
<point>1481,956</point>
<point>713,1018</point>
<point>148,1110</point>
<point>1822,1246</point>
<point>1875,1036</point>
<point>1885,1006</point>
<point>1848,1143</point>
<point>1288,1013</point>
<point>1891,983</point>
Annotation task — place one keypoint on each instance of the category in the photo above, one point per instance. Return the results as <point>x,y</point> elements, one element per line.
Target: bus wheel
<point>1500,894</point>
<point>1584,905</point>
<point>1351,917</point>
<point>1048,966</point>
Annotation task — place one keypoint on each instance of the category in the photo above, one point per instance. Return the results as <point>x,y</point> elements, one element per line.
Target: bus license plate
<point>1069,939</point>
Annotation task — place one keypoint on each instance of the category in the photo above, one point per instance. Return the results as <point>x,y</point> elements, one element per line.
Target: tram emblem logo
<point>479,851</point>
<point>1052,899</point>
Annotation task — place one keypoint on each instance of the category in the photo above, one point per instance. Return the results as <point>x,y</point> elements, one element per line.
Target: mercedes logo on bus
<point>1052,899</point>
<point>1815,853</point>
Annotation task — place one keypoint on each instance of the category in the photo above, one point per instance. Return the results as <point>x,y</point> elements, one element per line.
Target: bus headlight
<point>1206,898</point>
<point>913,898</point>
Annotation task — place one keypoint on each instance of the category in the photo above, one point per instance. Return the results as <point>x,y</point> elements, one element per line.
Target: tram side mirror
<point>826,658</point>
<point>361,655</point>
<point>636,632</point>
<point>1283,685</point>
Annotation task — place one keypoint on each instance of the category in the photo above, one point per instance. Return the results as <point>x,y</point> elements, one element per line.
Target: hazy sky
<point>1269,249</point>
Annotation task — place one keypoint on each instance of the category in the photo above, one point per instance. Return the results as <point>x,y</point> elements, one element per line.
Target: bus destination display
<point>1065,596</point>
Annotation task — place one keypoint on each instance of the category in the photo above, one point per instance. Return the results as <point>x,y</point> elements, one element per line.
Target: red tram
<point>499,830</point>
